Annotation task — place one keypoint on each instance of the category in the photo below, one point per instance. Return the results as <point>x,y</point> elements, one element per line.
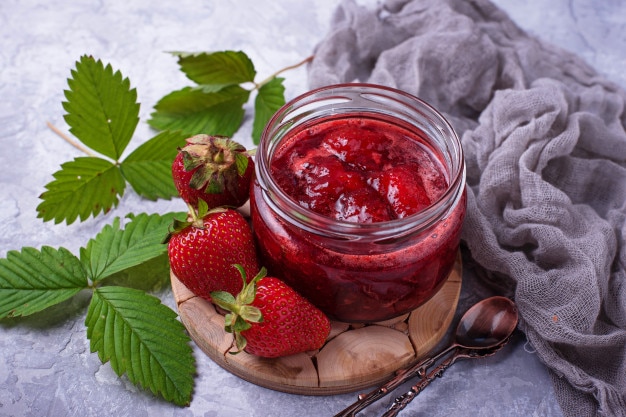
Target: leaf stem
<point>69,140</point>
<point>280,71</point>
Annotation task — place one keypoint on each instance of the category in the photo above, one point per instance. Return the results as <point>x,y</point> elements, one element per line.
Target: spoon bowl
<point>487,323</point>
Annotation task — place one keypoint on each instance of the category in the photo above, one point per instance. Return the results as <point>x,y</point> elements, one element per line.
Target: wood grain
<point>355,356</point>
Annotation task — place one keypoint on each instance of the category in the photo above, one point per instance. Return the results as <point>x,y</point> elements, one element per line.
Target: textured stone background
<point>45,365</point>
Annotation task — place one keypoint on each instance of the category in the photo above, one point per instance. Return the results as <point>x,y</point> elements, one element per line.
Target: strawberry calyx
<point>217,161</point>
<point>195,219</point>
<point>241,313</point>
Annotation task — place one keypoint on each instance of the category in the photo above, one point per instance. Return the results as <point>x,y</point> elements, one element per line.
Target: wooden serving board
<point>354,357</point>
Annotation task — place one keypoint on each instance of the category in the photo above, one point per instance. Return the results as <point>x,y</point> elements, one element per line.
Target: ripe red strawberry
<point>215,169</point>
<point>202,252</point>
<point>270,319</point>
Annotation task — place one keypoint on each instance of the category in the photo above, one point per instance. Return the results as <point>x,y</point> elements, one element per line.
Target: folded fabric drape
<point>545,145</point>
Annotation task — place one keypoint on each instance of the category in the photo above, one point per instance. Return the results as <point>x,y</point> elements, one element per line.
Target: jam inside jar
<point>359,200</point>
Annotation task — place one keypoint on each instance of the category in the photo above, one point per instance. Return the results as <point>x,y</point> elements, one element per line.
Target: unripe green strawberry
<point>270,319</point>
<point>202,252</point>
<point>215,169</point>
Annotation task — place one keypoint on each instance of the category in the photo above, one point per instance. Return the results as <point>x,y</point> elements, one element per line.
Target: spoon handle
<point>403,400</point>
<point>418,369</point>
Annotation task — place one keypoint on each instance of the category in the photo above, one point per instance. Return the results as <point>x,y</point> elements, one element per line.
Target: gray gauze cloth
<point>545,145</point>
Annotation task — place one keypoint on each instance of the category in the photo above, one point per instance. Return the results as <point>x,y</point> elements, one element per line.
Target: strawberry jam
<point>359,200</point>
<point>358,170</point>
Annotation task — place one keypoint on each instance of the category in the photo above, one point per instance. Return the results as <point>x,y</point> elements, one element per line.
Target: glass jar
<point>360,272</point>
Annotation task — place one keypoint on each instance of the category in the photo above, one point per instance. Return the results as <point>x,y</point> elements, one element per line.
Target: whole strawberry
<point>202,251</point>
<point>215,169</point>
<point>270,319</point>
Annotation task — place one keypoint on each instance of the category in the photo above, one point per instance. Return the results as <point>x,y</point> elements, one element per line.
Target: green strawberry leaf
<point>102,109</point>
<point>33,280</point>
<point>193,111</point>
<point>142,338</point>
<point>216,70</point>
<point>152,275</point>
<point>270,98</point>
<point>115,249</point>
<point>148,169</point>
<point>84,186</point>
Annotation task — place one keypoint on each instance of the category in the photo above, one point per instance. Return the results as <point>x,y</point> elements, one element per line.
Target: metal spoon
<point>403,400</point>
<point>482,331</point>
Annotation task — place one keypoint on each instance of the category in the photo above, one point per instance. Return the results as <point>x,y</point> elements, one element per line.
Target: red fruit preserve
<point>359,200</point>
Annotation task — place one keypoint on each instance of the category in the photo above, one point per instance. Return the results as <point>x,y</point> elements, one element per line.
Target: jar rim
<point>343,95</point>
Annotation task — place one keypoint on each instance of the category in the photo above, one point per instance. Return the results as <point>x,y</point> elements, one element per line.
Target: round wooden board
<point>354,357</point>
